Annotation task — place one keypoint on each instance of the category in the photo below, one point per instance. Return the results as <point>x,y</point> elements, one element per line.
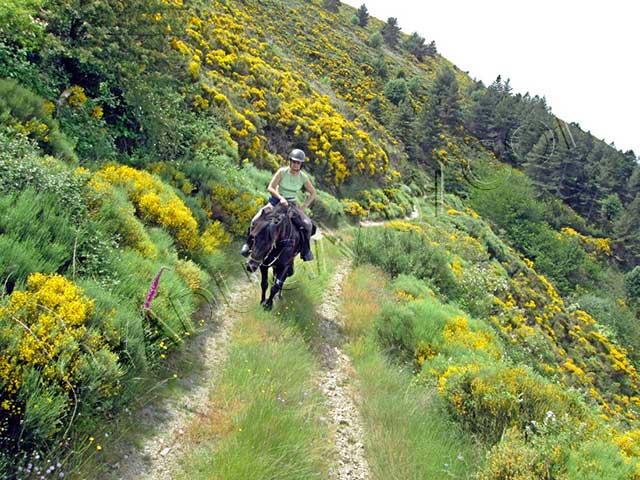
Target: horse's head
<point>266,232</point>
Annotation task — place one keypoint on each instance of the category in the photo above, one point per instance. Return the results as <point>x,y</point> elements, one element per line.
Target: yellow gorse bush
<point>155,202</point>
<point>595,245</point>
<point>47,325</point>
<point>457,331</point>
<point>250,85</point>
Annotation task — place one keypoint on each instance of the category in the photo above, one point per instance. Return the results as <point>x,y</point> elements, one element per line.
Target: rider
<point>284,187</point>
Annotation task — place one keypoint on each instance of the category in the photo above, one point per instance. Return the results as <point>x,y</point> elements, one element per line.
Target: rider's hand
<point>284,202</point>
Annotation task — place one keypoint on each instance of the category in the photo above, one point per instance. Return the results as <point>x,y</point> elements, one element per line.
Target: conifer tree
<point>633,187</point>
<point>627,231</point>
<point>331,5</point>
<point>402,125</point>
<point>431,49</point>
<point>363,15</point>
<point>445,98</point>
<point>416,46</point>
<point>427,130</point>
<point>538,163</point>
<point>391,32</point>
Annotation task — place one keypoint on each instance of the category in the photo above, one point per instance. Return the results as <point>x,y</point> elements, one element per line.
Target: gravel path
<point>377,223</point>
<point>157,455</point>
<point>335,381</point>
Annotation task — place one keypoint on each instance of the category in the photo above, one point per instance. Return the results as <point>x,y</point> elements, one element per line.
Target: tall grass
<point>264,416</point>
<point>409,434</point>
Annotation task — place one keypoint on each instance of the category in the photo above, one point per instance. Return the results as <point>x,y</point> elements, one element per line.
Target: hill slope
<point>137,139</point>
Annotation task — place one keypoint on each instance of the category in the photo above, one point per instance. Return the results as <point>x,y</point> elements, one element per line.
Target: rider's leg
<point>305,230</point>
<point>248,244</point>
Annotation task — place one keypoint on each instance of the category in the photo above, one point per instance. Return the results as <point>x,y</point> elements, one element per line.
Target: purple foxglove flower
<point>153,289</point>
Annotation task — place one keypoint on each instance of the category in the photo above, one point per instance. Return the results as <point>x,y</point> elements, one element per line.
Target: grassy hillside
<point>136,141</point>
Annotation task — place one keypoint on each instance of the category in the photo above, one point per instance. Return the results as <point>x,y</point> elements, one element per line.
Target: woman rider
<point>284,187</point>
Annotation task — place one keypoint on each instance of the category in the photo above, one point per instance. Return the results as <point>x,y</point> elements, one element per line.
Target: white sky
<point>583,56</point>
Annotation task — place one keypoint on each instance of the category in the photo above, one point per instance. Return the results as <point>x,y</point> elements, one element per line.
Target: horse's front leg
<point>277,286</point>
<point>264,274</point>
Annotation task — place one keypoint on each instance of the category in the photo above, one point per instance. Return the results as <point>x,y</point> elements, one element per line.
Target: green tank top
<point>290,185</point>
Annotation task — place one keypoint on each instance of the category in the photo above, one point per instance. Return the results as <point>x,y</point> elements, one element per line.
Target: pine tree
<point>627,233</point>
<point>427,129</point>
<point>633,187</point>
<point>391,32</point>
<point>402,126</point>
<point>416,46</point>
<point>445,98</point>
<point>363,15</point>
<point>331,5</point>
<point>431,49</point>
<point>538,164</point>
<point>375,108</point>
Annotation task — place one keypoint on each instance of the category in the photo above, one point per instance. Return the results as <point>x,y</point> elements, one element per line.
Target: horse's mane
<point>279,216</point>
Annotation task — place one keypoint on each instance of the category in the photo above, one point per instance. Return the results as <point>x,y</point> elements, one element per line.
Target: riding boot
<point>246,248</point>
<point>305,247</point>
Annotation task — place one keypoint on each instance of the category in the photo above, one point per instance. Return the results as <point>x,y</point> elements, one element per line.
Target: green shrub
<point>375,40</point>
<point>512,459</point>
<point>21,167</point>
<point>597,460</point>
<point>327,209</point>
<point>122,324</point>
<point>26,112</point>
<point>621,321</point>
<point>395,328</point>
<point>632,285</point>
<point>490,399</point>
<point>406,252</point>
<point>36,235</point>
<point>416,288</point>
<point>396,90</point>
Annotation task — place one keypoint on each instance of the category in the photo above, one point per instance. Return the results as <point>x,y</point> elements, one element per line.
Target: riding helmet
<point>297,155</point>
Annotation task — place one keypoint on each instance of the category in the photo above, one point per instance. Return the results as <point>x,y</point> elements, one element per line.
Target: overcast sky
<point>583,56</point>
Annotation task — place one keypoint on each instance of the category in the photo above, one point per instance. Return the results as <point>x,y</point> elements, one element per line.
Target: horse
<point>276,242</point>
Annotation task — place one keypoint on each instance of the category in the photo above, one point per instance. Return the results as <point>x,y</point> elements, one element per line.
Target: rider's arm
<point>273,186</point>
<point>312,194</point>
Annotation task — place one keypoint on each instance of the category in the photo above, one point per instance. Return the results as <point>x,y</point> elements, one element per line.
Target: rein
<point>273,245</point>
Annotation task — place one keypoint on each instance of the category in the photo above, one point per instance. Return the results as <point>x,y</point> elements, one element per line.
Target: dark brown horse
<point>276,242</point>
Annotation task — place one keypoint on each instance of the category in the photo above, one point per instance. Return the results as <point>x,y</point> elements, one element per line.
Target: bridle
<point>273,245</point>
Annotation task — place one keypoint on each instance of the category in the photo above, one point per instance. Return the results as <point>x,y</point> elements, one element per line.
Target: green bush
<point>327,209</point>
<point>21,167</point>
<point>122,323</point>
<point>609,314</point>
<point>418,289</point>
<point>490,399</point>
<point>402,327</point>
<point>396,90</point>
<point>632,285</point>
<point>25,111</point>
<point>375,40</point>
<point>36,235</point>
<point>405,252</point>
<point>512,459</point>
<point>597,460</point>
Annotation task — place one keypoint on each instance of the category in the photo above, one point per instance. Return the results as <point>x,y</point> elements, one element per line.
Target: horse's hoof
<point>267,306</point>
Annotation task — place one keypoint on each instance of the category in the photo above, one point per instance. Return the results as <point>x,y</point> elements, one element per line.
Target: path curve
<point>415,213</point>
